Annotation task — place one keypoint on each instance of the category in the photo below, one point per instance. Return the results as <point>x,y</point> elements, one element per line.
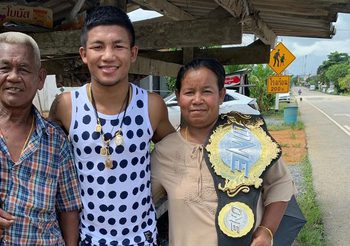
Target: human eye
<point>207,91</point>
<point>4,68</point>
<point>96,46</point>
<point>24,70</point>
<point>120,46</point>
<point>188,92</point>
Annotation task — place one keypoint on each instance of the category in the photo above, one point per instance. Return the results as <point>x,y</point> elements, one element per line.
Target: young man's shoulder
<point>155,99</point>
<point>50,127</point>
<point>60,111</point>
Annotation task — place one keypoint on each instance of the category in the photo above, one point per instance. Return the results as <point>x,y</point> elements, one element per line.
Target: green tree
<point>171,81</point>
<point>344,83</point>
<point>232,68</point>
<point>258,78</point>
<point>333,59</point>
<point>336,72</point>
<point>313,80</point>
<point>295,81</point>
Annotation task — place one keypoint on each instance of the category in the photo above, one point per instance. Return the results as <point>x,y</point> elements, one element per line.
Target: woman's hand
<point>261,237</point>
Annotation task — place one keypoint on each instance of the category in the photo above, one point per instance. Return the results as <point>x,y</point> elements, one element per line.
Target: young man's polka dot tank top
<point>118,209</point>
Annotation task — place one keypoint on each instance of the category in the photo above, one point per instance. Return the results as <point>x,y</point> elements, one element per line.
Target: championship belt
<point>238,152</point>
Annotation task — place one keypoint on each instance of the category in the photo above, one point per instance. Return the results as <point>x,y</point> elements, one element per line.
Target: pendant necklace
<point>118,135</point>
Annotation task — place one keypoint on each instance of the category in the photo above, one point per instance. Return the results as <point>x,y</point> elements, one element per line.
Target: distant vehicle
<point>330,91</point>
<point>284,97</point>
<point>233,101</point>
<point>312,87</point>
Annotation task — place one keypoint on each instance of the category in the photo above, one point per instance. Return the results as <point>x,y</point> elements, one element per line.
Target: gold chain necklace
<point>28,137</point>
<point>118,136</point>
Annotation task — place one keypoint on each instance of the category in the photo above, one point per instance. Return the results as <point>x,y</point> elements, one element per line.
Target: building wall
<point>44,98</point>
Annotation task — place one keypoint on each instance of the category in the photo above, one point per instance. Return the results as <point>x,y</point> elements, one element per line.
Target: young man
<point>111,123</point>
<point>38,181</point>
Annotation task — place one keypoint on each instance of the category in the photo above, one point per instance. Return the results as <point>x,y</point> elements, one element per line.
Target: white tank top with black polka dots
<point>118,209</point>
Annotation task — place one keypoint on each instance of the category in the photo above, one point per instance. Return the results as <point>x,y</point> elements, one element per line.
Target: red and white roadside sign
<point>233,79</point>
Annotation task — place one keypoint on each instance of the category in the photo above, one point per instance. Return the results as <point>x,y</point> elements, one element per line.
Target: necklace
<point>28,137</point>
<point>118,135</point>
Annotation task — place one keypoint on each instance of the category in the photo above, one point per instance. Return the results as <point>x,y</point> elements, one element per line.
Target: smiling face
<point>20,75</point>
<point>199,97</point>
<point>108,54</point>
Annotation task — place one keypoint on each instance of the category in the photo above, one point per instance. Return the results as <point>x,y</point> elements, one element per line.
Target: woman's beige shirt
<point>179,169</point>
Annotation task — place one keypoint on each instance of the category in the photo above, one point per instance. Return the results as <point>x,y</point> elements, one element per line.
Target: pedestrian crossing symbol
<point>280,58</point>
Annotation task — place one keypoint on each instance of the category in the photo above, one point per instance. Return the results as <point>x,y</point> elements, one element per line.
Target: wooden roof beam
<point>179,34</point>
<point>255,53</point>
<point>241,9</point>
<point>154,35</point>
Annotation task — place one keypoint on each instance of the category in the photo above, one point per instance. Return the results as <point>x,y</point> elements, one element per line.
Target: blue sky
<point>309,52</point>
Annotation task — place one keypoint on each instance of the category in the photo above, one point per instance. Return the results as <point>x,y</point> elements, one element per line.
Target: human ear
<point>42,77</point>
<point>134,52</point>
<point>222,94</point>
<point>82,52</point>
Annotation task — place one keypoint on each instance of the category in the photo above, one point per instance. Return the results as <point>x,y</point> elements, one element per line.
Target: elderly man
<point>39,190</point>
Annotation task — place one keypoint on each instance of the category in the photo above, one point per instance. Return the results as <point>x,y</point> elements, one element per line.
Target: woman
<point>213,168</point>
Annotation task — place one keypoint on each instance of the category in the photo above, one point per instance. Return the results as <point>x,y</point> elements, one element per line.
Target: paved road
<point>327,126</point>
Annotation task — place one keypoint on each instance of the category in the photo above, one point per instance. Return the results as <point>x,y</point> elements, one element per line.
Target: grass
<point>277,116</point>
<point>293,135</point>
<point>278,127</point>
<point>279,124</point>
<point>285,145</point>
<point>313,231</point>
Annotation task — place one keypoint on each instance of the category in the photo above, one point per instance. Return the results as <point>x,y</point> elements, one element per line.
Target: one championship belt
<point>238,152</point>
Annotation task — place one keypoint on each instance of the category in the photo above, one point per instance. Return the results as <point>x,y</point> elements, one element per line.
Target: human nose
<point>13,75</point>
<point>197,98</point>
<point>108,54</point>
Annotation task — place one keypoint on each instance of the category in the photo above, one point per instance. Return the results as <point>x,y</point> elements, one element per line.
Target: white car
<point>284,97</point>
<point>233,101</point>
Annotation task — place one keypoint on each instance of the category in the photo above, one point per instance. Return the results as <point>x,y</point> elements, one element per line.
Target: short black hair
<point>106,15</point>
<point>212,64</point>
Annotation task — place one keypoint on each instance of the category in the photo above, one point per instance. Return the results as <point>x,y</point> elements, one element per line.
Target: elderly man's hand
<point>6,220</point>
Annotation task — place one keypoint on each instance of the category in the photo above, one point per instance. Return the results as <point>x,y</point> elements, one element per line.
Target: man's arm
<point>61,110</point>
<point>69,224</point>
<point>159,117</point>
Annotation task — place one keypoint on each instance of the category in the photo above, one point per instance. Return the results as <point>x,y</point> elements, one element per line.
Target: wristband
<point>267,229</point>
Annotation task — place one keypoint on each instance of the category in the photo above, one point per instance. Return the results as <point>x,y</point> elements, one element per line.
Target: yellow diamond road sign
<point>280,58</point>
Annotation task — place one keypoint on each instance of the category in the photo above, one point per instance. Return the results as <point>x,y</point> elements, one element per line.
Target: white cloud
<point>321,48</point>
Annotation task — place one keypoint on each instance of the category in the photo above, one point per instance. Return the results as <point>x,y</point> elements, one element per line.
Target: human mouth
<point>13,89</point>
<point>197,111</point>
<point>109,69</point>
